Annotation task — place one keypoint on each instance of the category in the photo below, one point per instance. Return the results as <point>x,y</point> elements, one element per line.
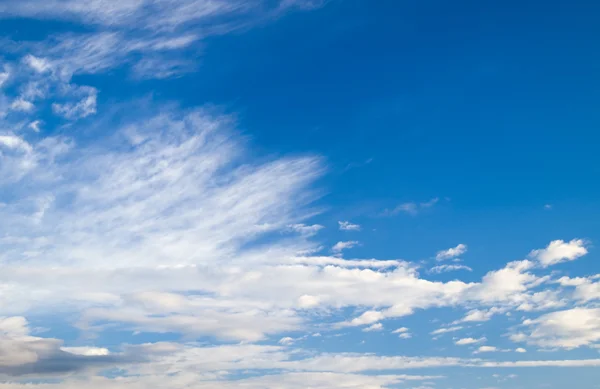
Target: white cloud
<point>287,341</point>
<point>448,268</point>
<point>35,125</point>
<point>548,363</point>
<point>560,251</point>
<point>14,326</point>
<point>86,351</point>
<point>22,105</point>
<point>39,90</point>
<point>307,301</point>
<point>586,289</point>
<point>18,158</point>
<point>4,76</point>
<point>40,65</point>
<point>412,208</point>
<point>347,226</point>
<point>14,142</point>
<point>520,350</point>
<point>289,380</point>
<point>306,230</point>
<point>367,318</point>
<point>430,203</point>
<point>341,246</point>
<point>486,349</point>
<point>405,335</point>
<point>374,327</point>
<point>451,252</point>
<point>477,315</point>
<point>80,109</point>
<point>440,331</point>
<point>400,330</point>
<point>140,196</point>
<point>21,353</point>
<point>566,329</point>
<point>507,284</point>
<point>155,37</point>
<point>226,323</point>
<point>467,341</point>
<point>346,263</point>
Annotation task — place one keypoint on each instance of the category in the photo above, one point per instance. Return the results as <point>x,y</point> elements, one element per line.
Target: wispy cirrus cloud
<point>411,208</point>
<point>445,330</point>
<point>347,226</point>
<point>448,268</point>
<point>154,37</point>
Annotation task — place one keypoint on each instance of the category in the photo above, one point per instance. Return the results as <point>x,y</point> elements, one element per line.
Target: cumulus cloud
<point>467,341</point>
<point>560,251</point>
<point>286,341</point>
<point>374,327</point>
<point>452,252</point>
<point>23,354</point>
<point>586,288</point>
<point>507,283</point>
<point>341,246</point>
<point>567,329</point>
<point>367,318</point>
<point>477,315</point>
<point>307,301</point>
<point>486,349</point>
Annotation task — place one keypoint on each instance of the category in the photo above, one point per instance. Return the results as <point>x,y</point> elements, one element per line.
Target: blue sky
<point>299,194</point>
